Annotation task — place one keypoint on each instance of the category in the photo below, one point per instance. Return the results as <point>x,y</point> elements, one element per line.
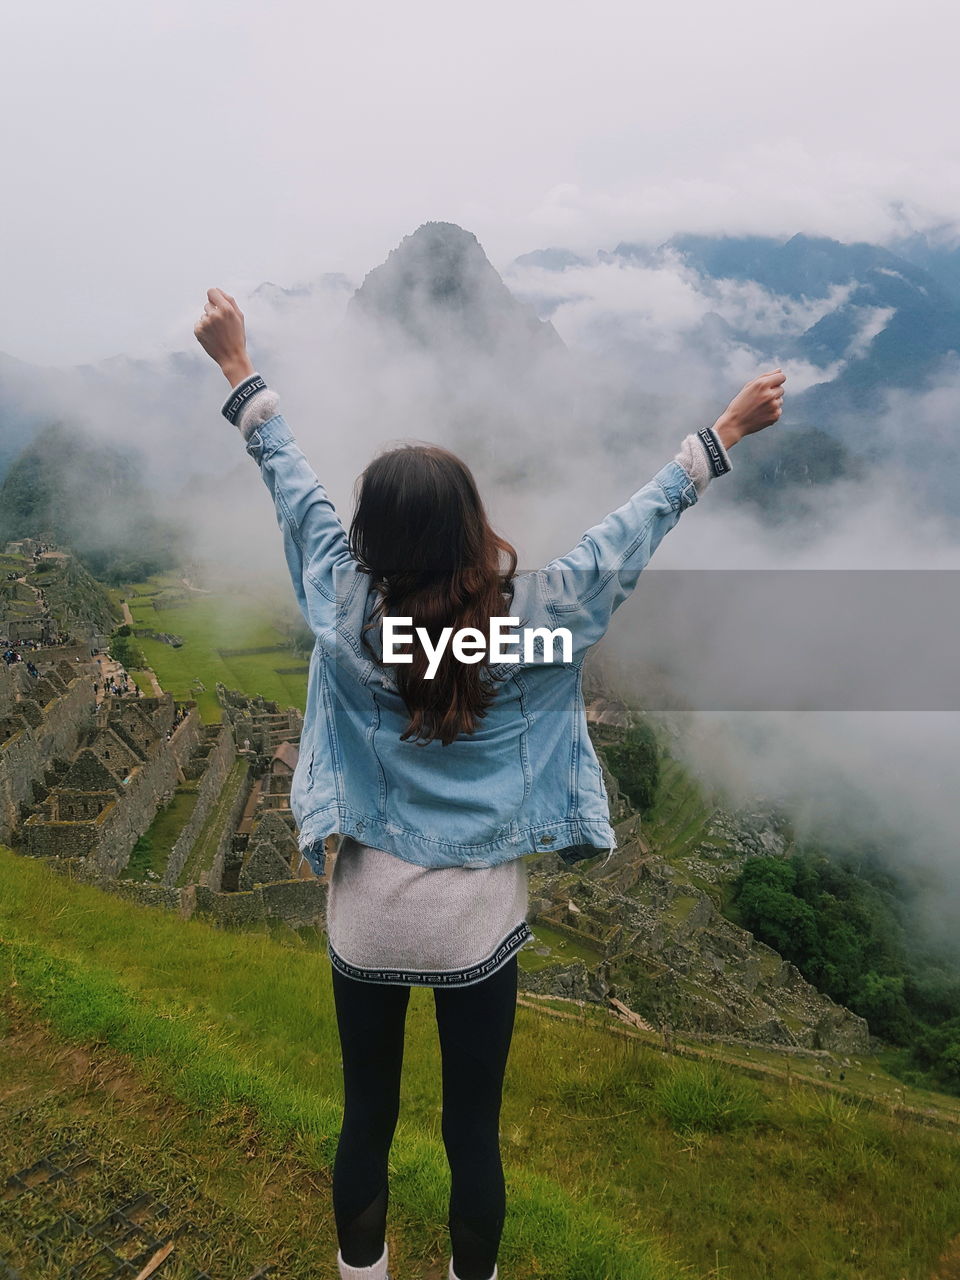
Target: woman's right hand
<point>758,405</point>
<point>221,333</point>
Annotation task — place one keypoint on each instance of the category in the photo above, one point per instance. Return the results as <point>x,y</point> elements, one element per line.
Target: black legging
<point>475,1025</point>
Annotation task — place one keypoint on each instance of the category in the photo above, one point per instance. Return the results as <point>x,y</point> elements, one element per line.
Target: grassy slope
<point>208,623</point>
<point>606,1142</point>
<point>137,1139</point>
<point>678,821</point>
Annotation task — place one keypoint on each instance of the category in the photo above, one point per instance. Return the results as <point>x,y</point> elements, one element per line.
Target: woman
<point>450,764</point>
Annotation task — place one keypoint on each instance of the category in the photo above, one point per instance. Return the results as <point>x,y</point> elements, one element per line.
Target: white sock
<point>452,1275</point>
<point>377,1271</point>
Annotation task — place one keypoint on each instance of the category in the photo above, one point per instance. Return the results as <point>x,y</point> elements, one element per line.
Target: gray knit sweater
<point>394,921</point>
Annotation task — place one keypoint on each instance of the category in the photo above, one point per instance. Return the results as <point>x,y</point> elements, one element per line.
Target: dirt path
<point>150,673</point>
<point>109,669</point>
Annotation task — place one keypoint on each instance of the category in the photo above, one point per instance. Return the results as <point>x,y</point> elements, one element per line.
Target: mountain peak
<point>438,286</point>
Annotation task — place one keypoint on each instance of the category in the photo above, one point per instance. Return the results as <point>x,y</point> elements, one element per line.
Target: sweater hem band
<point>438,977</point>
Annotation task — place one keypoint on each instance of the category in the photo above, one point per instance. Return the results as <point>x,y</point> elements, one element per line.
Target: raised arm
<point>585,587</point>
<point>315,543</point>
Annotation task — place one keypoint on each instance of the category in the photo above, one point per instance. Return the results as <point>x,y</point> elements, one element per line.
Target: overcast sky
<point>153,149</point>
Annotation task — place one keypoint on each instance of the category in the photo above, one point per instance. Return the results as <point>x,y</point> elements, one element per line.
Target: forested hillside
<point>90,497</point>
<point>839,918</point>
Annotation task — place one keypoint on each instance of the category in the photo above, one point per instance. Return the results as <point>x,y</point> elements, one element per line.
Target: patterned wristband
<point>240,395</point>
<point>715,451</point>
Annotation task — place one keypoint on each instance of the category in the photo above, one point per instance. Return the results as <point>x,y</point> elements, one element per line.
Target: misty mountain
<point>279,295</point>
<point>869,338</point>
<point>435,336</point>
<point>892,323</point>
<point>91,499</point>
<point>892,329</point>
<point>28,396</point>
<point>551,259</point>
<point>802,266</point>
<point>938,252</point>
<point>439,289</point>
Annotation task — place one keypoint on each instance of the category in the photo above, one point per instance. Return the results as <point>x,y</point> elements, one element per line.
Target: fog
<point>153,150</point>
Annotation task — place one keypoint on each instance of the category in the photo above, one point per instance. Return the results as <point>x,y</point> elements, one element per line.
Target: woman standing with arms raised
<point>442,762</point>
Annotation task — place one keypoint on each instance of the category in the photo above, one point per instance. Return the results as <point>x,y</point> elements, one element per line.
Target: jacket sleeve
<point>315,542</point>
<point>586,587</point>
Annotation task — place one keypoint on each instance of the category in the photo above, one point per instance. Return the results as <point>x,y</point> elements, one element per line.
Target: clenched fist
<point>220,331</point>
<point>758,405</point>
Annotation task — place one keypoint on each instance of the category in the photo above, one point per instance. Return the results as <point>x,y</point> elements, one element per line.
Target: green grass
<point>677,822</point>
<point>9,563</point>
<point>704,1098</point>
<point>563,949</point>
<point>141,680</point>
<point>679,908</point>
<point>121,1160</point>
<point>618,1158</point>
<point>219,1040</point>
<point>152,850</point>
<point>205,847</point>
<point>240,619</point>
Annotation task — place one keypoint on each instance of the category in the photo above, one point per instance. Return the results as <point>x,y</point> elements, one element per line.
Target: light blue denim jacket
<point>528,779</point>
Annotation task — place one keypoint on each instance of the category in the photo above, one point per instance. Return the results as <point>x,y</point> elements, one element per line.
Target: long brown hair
<point>420,530</point>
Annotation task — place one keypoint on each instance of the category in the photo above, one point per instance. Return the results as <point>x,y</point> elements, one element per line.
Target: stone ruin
<point>645,930</point>
<point>262,724</point>
<point>114,783</point>
<point>270,854</point>
<point>80,784</point>
<point>254,871</point>
<point>24,614</point>
<point>41,724</point>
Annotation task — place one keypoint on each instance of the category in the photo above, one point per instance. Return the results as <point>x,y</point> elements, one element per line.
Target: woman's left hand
<point>221,333</point>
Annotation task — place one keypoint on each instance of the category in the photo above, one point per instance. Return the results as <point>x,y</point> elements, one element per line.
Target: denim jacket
<point>528,779</point>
